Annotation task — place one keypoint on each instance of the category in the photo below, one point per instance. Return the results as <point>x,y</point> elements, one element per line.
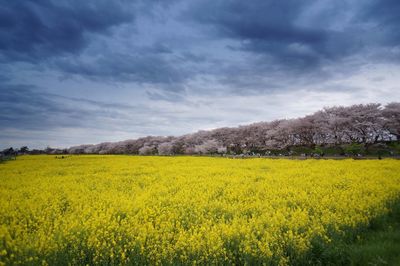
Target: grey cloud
<point>26,107</point>
<point>384,15</point>
<point>383,30</point>
<point>136,67</point>
<point>36,30</point>
<point>272,29</point>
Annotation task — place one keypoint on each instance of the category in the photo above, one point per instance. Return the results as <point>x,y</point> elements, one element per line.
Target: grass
<point>377,244</point>
<point>380,245</point>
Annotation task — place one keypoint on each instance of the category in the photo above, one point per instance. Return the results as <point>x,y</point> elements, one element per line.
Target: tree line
<point>352,130</point>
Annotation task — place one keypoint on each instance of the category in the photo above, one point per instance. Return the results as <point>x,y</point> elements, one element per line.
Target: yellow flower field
<point>185,210</point>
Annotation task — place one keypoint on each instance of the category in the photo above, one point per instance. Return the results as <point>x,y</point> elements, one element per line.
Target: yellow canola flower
<point>184,210</point>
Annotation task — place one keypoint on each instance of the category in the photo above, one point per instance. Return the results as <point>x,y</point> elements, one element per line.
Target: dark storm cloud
<point>256,20</point>
<point>384,16</point>
<point>55,34</point>
<point>36,30</point>
<point>268,27</point>
<point>386,12</point>
<point>283,36</point>
<point>144,67</point>
<point>277,31</point>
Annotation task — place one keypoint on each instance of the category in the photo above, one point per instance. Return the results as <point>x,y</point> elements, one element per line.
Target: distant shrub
<point>299,150</point>
<point>354,149</point>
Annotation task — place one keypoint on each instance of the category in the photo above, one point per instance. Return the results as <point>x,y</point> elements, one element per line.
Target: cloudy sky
<point>74,72</point>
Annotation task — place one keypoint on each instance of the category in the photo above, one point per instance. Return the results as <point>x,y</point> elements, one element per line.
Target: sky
<point>81,72</point>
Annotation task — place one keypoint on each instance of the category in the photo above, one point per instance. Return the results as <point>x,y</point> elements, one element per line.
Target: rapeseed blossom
<point>184,210</point>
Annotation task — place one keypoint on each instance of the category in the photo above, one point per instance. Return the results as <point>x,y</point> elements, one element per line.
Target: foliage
<point>354,149</point>
<point>299,150</point>
<point>186,210</point>
<point>332,150</point>
<point>318,151</point>
<point>394,147</point>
